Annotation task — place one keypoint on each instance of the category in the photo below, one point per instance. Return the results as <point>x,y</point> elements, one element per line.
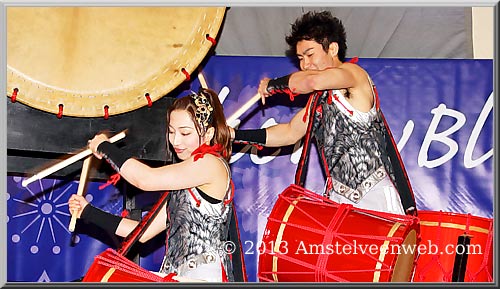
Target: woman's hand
<point>95,142</point>
<point>76,204</point>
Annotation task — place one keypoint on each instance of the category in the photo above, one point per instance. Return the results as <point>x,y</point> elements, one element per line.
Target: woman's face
<point>182,134</point>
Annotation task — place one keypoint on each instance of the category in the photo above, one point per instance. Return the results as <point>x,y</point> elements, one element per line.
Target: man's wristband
<point>278,85</point>
<point>253,136</point>
<point>281,85</point>
<point>100,218</point>
<point>115,156</point>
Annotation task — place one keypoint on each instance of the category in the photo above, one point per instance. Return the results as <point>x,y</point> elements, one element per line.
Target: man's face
<point>312,56</point>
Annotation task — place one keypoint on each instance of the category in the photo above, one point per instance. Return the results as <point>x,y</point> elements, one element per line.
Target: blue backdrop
<point>440,113</point>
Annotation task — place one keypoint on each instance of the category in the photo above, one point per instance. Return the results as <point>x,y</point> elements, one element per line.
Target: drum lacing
<point>14,95</point>
<point>188,77</point>
<point>60,113</point>
<point>331,233</point>
<point>112,259</point>
<point>106,112</point>
<point>150,103</point>
<point>484,264</point>
<point>211,39</point>
<point>435,257</point>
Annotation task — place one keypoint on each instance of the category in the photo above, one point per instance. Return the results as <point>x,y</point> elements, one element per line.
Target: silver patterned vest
<point>354,153</point>
<point>196,234</point>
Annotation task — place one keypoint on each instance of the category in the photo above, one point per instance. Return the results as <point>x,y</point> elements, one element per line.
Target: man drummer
<point>359,156</point>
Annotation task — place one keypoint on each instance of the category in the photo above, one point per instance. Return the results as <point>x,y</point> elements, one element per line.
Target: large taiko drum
<point>309,238</point>
<point>98,61</point>
<point>442,242</point>
<point>110,266</point>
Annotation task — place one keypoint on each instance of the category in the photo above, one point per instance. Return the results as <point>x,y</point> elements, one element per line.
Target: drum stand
<point>460,264</point>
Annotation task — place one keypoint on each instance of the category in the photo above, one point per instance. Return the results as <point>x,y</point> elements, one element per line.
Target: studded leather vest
<point>353,149</point>
<point>197,232</point>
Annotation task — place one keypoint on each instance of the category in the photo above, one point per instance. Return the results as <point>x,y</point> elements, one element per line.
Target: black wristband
<point>278,85</point>
<point>253,136</point>
<point>115,156</point>
<point>104,220</point>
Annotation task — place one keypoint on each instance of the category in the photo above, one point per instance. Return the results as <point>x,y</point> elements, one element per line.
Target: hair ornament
<point>203,113</point>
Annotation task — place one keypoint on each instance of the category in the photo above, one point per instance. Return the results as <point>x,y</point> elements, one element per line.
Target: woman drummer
<point>200,185</point>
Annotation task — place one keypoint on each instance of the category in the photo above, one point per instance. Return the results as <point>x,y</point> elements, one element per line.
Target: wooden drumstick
<point>81,188</point>
<point>202,80</point>
<point>68,161</point>
<point>243,109</point>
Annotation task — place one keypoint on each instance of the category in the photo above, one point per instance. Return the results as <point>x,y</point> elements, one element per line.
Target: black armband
<point>281,85</point>
<point>100,218</point>
<point>278,85</point>
<point>252,136</point>
<point>113,155</point>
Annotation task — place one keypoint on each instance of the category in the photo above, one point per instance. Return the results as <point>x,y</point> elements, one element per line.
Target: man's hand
<point>231,132</point>
<point>263,89</point>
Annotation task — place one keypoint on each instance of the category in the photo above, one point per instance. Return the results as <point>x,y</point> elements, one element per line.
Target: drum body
<point>109,266</point>
<point>309,238</point>
<point>439,235</point>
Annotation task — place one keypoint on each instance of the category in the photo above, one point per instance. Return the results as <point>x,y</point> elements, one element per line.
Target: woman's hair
<point>206,111</point>
<point>321,27</point>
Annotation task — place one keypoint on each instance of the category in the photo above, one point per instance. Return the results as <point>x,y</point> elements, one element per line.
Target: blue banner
<point>440,113</point>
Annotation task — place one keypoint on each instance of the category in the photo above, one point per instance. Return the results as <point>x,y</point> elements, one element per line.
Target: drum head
<point>86,58</point>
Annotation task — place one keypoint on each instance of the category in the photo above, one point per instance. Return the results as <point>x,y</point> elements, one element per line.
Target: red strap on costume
<point>124,213</point>
<point>304,118</point>
<point>232,194</point>
<point>204,149</point>
<point>112,180</point>
<point>338,100</point>
<point>291,93</point>
<point>354,60</point>
<point>224,274</point>
<point>198,201</point>
<point>199,153</point>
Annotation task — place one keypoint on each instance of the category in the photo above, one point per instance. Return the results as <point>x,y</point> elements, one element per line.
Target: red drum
<point>309,238</point>
<point>440,232</point>
<point>109,266</point>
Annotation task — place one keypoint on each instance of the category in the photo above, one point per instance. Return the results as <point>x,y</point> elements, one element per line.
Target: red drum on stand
<point>440,232</point>
<point>109,266</point>
<point>309,238</point>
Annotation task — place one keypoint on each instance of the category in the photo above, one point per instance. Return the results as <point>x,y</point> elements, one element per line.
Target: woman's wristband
<point>100,218</point>
<point>113,155</point>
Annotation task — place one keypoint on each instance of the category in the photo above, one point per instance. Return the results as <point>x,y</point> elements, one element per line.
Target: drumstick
<point>202,80</point>
<point>67,161</point>
<point>243,108</point>
<point>81,187</point>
